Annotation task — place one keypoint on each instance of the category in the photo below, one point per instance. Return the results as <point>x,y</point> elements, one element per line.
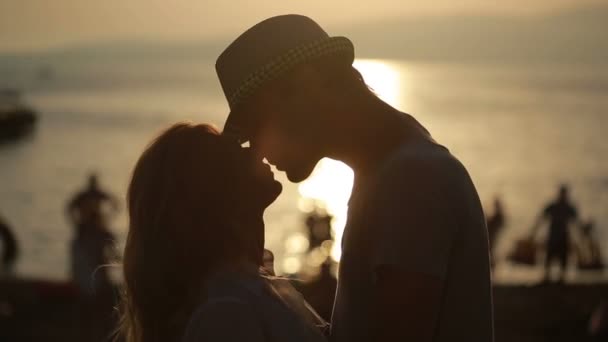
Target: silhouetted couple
<point>415,263</point>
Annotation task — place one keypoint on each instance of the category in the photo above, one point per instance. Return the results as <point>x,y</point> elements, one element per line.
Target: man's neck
<point>375,131</point>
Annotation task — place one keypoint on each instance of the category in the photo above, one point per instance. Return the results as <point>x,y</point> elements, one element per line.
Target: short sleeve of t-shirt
<point>411,215</point>
<point>226,320</point>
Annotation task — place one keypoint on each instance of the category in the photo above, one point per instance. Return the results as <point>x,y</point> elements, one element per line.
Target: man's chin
<point>297,176</point>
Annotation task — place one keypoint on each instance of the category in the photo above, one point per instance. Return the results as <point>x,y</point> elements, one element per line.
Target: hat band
<point>286,61</point>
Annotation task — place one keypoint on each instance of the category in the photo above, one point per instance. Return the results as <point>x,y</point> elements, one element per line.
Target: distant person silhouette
<point>92,247</point>
<point>495,222</point>
<point>589,250</point>
<point>318,223</point>
<point>194,262</point>
<point>560,213</point>
<point>91,207</point>
<point>10,250</point>
<point>598,323</point>
<point>415,262</point>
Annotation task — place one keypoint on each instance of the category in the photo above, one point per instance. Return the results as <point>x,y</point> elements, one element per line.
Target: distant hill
<point>567,36</point>
<point>134,50</point>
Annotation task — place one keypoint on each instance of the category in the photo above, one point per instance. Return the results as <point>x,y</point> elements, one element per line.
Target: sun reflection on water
<point>330,184</point>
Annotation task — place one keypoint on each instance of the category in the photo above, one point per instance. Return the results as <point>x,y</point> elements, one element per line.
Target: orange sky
<point>36,24</point>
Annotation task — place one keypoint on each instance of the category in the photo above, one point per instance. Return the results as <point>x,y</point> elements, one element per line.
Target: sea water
<point>521,130</point>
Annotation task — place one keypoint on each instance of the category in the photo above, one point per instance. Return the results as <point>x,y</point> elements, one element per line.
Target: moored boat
<point>16,118</point>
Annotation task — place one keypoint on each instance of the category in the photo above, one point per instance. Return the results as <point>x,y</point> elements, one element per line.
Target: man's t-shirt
<point>418,212</point>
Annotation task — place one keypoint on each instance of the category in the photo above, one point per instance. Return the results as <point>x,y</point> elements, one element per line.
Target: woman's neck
<point>242,265</point>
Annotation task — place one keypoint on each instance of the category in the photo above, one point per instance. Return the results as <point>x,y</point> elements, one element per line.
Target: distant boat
<point>16,119</point>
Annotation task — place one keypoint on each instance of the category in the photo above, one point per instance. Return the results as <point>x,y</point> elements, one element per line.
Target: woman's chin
<point>277,188</point>
<point>262,193</point>
<point>270,193</point>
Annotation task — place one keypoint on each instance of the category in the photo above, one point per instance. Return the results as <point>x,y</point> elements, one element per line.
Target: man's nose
<point>257,153</point>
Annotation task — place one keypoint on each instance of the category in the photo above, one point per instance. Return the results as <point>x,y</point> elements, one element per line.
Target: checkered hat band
<point>288,60</point>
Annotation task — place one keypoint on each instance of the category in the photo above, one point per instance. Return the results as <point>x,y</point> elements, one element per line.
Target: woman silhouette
<point>195,247</point>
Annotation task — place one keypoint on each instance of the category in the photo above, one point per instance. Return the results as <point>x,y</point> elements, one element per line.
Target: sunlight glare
<point>383,78</point>
<point>330,185</point>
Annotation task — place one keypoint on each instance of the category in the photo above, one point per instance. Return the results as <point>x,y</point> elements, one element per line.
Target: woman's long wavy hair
<point>183,194</point>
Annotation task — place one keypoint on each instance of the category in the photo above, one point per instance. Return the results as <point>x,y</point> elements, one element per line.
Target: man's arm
<point>115,204</point>
<point>538,222</point>
<point>415,230</point>
<point>70,210</point>
<point>406,305</point>
<point>576,218</point>
<point>111,200</point>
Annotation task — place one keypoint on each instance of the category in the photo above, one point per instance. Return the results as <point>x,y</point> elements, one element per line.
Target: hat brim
<point>238,124</point>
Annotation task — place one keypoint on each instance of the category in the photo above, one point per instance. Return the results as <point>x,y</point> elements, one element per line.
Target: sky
<point>41,24</point>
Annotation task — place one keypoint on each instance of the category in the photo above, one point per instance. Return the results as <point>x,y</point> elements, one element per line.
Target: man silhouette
<point>89,211</point>
<point>560,214</point>
<point>10,248</point>
<point>415,261</point>
<point>86,210</point>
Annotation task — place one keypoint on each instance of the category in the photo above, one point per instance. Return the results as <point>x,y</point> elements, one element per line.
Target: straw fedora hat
<point>266,51</point>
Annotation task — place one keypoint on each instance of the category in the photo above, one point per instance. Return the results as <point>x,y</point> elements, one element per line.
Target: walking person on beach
<point>415,264</point>
<point>495,222</point>
<point>589,249</point>
<point>560,213</point>
<point>10,248</point>
<point>92,246</point>
<point>91,206</point>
